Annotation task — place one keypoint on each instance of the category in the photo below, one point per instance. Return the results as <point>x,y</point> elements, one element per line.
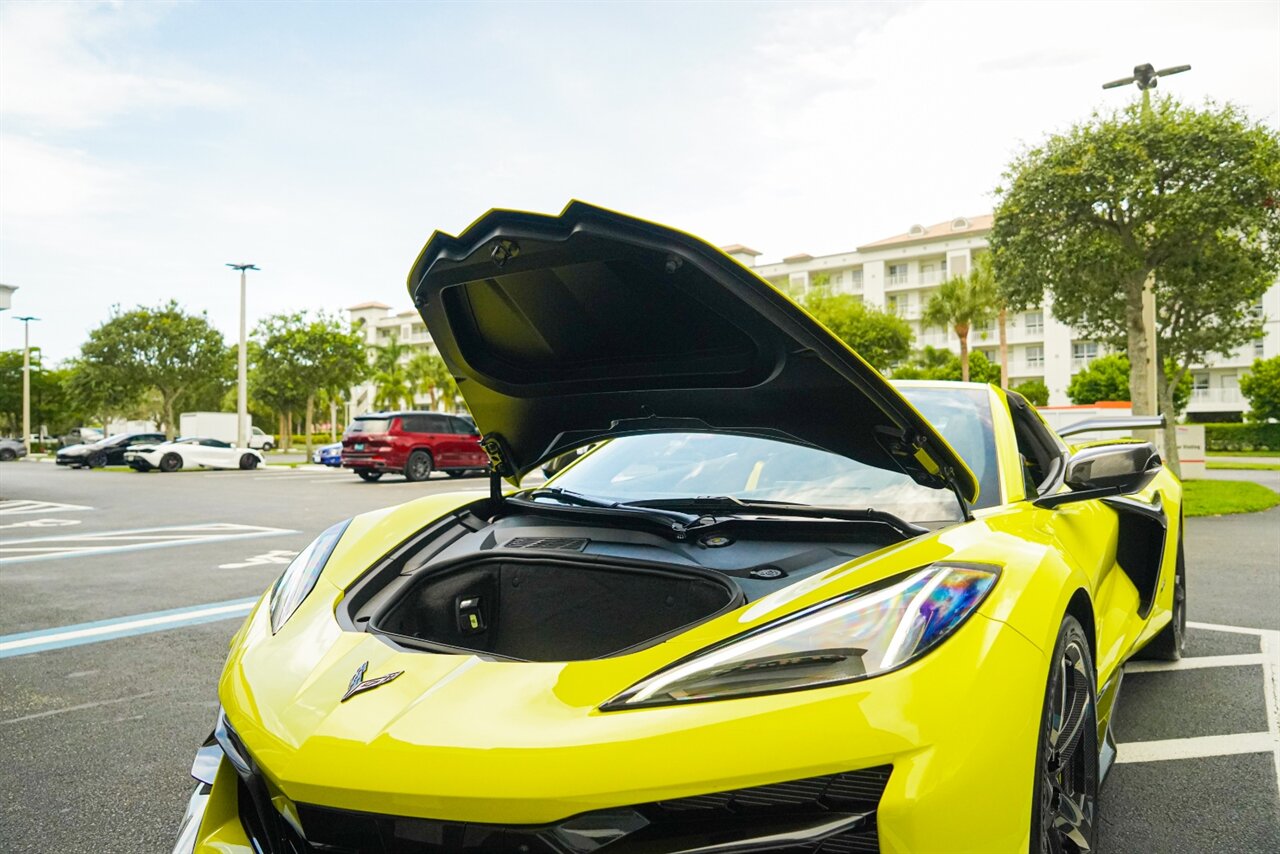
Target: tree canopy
<point>882,339</point>
<point>1035,391</point>
<point>1186,194</point>
<point>299,358</point>
<point>936,363</point>
<point>959,304</point>
<point>1261,387</point>
<point>1107,378</point>
<point>162,349</point>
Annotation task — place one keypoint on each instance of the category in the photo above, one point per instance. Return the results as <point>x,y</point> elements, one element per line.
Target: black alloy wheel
<point>170,462</point>
<point>248,462</point>
<point>98,460</point>
<point>7,454</point>
<point>1064,811</point>
<point>419,466</point>
<point>370,476</point>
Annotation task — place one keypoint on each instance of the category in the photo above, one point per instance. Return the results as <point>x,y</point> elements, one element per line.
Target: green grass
<point>1242,466</point>
<point>1221,497</point>
<point>1213,454</point>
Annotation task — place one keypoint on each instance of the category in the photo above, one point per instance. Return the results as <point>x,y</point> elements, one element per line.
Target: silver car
<point>11,449</point>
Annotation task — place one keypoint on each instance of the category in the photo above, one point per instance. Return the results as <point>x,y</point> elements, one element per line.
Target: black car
<point>107,452</point>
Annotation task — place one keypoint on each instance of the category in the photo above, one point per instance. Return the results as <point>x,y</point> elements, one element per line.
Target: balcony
<point>1216,400</point>
<point>933,277</point>
<point>897,279</point>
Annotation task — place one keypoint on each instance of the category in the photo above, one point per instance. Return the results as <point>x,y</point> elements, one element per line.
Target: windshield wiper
<point>673,520</point>
<point>731,505</point>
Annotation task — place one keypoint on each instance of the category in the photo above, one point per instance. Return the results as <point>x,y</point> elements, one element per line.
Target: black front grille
<point>833,814</point>
<point>561,544</point>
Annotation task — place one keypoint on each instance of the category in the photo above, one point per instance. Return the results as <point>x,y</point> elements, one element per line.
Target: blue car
<point>329,455</point>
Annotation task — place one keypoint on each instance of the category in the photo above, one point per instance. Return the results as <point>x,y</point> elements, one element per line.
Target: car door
<point>444,445</point>
<point>1091,533</point>
<point>217,454</point>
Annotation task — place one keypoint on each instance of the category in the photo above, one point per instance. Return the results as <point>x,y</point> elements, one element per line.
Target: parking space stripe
<point>1194,663</point>
<point>1200,747</point>
<point>43,640</point>
<point>114,542</point>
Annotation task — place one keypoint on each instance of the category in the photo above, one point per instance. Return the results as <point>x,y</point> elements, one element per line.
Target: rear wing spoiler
<point>1128,422</point>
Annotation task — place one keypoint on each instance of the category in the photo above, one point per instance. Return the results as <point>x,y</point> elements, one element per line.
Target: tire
<point>97,461</point>
<point>267,448</point>
<point>456,472</point>
<point>1171,643</point>
<point>370,476</point>
<point>1064,803</point>
<point>419,466</point>
<point>248,462</point>
<point>8,454</point>
<point>170,462</point>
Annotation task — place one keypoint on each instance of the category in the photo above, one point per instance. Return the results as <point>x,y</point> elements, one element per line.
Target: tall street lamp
<point>1146,78</point>
<point>26,380</point>
<point>242,382</point>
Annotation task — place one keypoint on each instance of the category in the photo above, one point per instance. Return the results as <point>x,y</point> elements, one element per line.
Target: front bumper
<point>957,729</point>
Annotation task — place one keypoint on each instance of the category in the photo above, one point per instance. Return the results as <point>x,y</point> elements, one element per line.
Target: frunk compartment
<point>539,609</point>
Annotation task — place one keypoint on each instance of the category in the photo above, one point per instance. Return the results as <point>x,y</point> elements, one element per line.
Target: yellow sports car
<point>777,605</point>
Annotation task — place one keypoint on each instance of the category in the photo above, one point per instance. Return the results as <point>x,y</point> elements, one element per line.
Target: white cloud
<point>65,66</point>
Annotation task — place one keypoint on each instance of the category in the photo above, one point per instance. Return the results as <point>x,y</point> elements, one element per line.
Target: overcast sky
<point>143,145</point>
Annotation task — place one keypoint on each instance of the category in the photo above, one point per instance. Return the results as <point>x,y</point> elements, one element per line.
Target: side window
<point>1040,451</point>
<point>462,426</point>
<point>214,443</point>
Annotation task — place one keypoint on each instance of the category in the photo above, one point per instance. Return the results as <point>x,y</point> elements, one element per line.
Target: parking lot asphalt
<point>96,739</point>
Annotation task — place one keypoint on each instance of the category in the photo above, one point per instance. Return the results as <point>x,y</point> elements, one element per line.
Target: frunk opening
<point>540,609</point>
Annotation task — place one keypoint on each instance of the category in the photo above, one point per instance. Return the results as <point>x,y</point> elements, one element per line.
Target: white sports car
<point>192,452</point>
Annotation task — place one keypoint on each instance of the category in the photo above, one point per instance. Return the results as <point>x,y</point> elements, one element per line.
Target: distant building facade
<point>900,273</point>
<point>380,324</point>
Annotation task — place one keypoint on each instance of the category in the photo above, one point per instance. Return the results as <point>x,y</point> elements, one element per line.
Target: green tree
<point>272,381</point>
<point>882,339</point>
<point>958,304</point>
<point>1261,387</point>
<point>52,407</point>
<point>1035,391</point>
<point>429,375</point>
<point>1107,378</point>
<point>301,358</point>
<point>1091,213</point>
<point>934,363</point>
<point>391,375</point>
<point>162,349</point>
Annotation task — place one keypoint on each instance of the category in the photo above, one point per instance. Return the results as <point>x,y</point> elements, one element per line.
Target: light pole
<point>1146,78</point>
<point>26,380</point>
<point>242,381</point>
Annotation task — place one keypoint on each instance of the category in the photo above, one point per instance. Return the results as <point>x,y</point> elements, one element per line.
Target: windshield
<point>369,425</point>
<point>963,417</point>
<point>691,465</point>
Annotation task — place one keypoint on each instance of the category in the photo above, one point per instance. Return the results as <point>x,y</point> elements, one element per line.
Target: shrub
<point>1261,387</point>
<point>1242,437</point>
<point>1035,391</point>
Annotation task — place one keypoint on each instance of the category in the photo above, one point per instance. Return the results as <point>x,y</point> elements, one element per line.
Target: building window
<point>899,304</point>
<point>1083,352</point>
<point>856,278</point>
<point>1034,321</point>
<point>1259,348</point>
<point>1035,357</point>
<point>897,274</point>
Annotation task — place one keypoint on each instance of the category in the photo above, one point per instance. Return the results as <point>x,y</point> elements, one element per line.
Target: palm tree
<point>429,375</point>
<point>961,302</point>
<point>985,277</point>
<point>390,376</point>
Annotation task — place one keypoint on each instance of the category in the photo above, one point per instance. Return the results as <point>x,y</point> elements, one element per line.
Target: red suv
<point>413,444</point>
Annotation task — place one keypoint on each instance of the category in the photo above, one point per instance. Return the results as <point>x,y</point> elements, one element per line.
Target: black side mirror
<point>1105,470</point>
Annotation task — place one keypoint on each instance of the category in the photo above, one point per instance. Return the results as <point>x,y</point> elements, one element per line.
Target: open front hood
<point>570,329</point>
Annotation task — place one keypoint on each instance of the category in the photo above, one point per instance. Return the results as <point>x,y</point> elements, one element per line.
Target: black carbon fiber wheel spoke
<point>1074,821</point>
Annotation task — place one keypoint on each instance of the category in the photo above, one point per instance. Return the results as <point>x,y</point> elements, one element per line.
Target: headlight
<point>300,575</point>
<point>871,631</point>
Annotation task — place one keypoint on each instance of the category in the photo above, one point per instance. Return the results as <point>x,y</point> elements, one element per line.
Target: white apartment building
<point>380,324</point>
<point>900,273</point>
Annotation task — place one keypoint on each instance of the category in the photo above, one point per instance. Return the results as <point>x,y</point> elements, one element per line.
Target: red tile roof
<point>976,224</point>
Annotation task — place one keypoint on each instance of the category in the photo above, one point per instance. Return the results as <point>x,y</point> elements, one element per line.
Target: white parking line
<point>1200,747</point>
<point>23,506</point>
<point>80,545</point>
<point>1219,745</point>
<point>1194,663</point>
